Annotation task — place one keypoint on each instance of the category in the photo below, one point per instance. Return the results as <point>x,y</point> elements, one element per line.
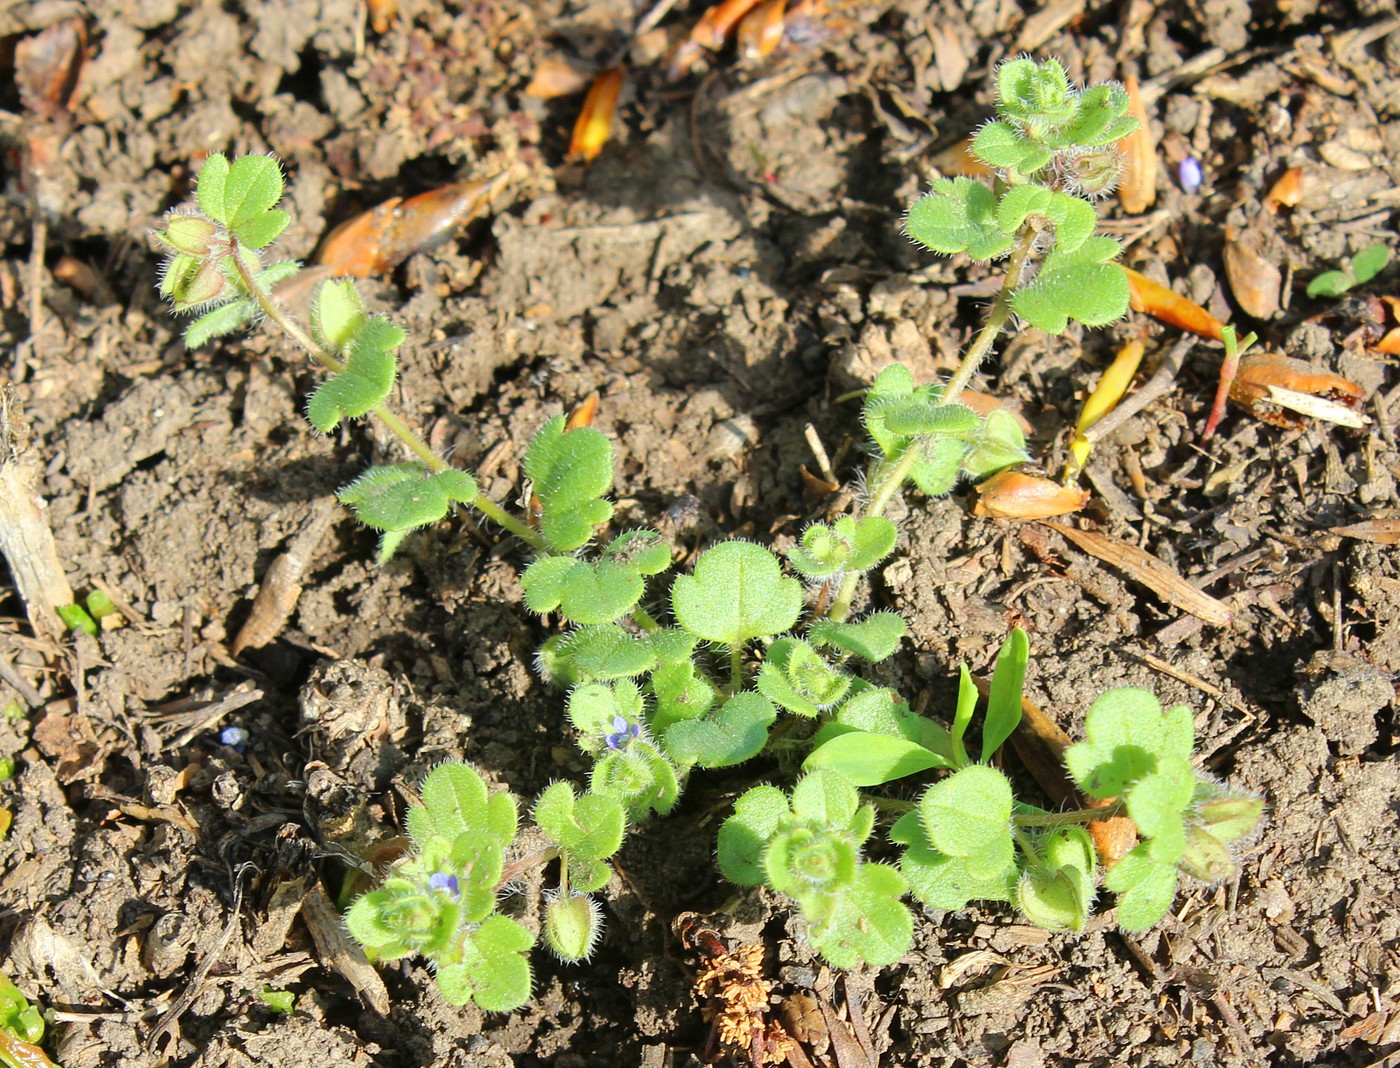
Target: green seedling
<point>1357,271</point>
<point>21,1030</point>
<point>749,654</point>
<point>281,1002</point>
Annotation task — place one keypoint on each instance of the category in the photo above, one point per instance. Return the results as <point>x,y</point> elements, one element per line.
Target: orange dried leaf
<point>1279,390</point>
<point>761,30</point>
<point>1255,281</point>
<point>1142,566</point>
<point>595,121</point>
<point>583,415</point>
<point>555,78</point>
<point>1164,305</point>
<point>1138,190</point>
<point>1287,192</point>
<point>1013,495</point>
<point>378,240</point>
<point>984,404</point>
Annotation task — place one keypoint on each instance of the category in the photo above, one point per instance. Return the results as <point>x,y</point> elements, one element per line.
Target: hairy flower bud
<point>192,235</point>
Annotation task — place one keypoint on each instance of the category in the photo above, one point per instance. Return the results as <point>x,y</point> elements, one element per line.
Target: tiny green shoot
<point>1357,271</point>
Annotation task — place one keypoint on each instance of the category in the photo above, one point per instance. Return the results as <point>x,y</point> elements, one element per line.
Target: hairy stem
<point>382,412</point>
<point>736,667</point>
<point>1060,819</point>
<point>518,867</point>
<point>889,477</point>
<point>996,318</point>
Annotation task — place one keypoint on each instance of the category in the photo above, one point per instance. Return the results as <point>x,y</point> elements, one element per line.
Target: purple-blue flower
<point>622,733</point>
<point>1188,173</point>
<point>441,880</point>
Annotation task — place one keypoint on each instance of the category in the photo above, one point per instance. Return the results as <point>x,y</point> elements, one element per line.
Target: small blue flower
<point>236,738</point>
<point>622,733</point>
<point>1188,173</point>
<point>441,880</point>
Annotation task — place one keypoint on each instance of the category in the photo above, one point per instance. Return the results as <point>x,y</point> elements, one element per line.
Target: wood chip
<point>1143,567</point>
<point>1379,531</point>
<point>339,952</point>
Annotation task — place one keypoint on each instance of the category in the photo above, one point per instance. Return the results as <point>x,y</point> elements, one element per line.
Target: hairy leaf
<point>737,592</point>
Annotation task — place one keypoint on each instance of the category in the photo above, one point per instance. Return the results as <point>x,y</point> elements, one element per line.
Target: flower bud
<point>1094,173</point>
<point>191,234</point>
<point>205,286</point>
<point>1205,857</point>
<point>1230,817</point>
<point>572,926</point>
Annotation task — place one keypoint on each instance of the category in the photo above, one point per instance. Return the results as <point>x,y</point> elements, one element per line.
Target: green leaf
<point>1001,147</point>
<point>737,732</point>
<point>1157,800</point>
<point>1330,284</point>
<point>495,969</point>
<point>337,313</point>
<point>1145,888</point>
<point>968,815</point>
<point>681,693</point>
<point>1000,444</point>
<point>673,645</point>
<point>570,471</point>
<point>937,472</point>
<point>1369,262</point>
<point>209,189</point>
<point>868,923</point>
<point>737,592</point>
<point>1057,892</point>
<point>1075,220</point>
<point>1125,734</point>
<point>1004,700</point>
<point>225,319</point>
<point>260,231</point>
<point>941,881</point>
<point>962,719</point>
<point>1020,202</point>
<point>366,381</point>
<point>874,638</point>
<point>1085,285</point>
<point>847,545</point>
<point>252,185</point>
<point>454,803</point>
<point>606,652</point>
<point>871,759</point>
<point>594,705</point>
<point>958,215</point>
<point>744,836</point>
<point>1038,95</point>
<point>583,592</point>
<point>826,799</point>
<point>1102,117</point>
<point>403,497</point>
<point>587,828</point>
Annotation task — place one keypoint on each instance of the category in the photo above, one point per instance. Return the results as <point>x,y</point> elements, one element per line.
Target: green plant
<point>1052,149</point>
<point>747,657</point>
<point>1357,271</point>
<point>21,1030</point>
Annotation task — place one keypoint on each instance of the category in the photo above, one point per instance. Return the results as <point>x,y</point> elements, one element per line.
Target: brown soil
<point>728,266</point>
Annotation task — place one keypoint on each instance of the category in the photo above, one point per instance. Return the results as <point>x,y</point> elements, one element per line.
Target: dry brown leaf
<point>1255,280</point>
<point>1379,531</point>
<point>1287,192</point>
<point>1142,566</point>
<point>1014,495</point>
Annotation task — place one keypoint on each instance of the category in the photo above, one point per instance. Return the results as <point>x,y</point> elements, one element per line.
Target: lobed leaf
<point>494,970</point>
<point>744,836</point>
<point>958,215</point>
<point>570,471</point>
<point>737,592</point>
<point>365,382</point>
<point>737,732</point>
<point>1145,888</point>
<point>968,815</point>
<point>1085,285</point>
<point>606,651</point>
<point>1126,733</point>
<point>868,923</point>
<point>875,638</point>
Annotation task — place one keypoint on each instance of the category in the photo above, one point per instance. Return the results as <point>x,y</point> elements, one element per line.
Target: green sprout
<point>21,1030</point>
<point>1357,271</point>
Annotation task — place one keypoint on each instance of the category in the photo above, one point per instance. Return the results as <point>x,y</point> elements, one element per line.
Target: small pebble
<point>235,738</point>
<point>1188,174</point>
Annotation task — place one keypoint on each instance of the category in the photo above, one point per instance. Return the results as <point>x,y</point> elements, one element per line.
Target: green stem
<point>516,868</point>
<point>1060,819</point>
<point>736,667</point>
<point>996,318</point>
<point>1023,840</point>
<point>390,420</point>
<point>645,620</point>
<point>889,478</point>
<point>891,804</point>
